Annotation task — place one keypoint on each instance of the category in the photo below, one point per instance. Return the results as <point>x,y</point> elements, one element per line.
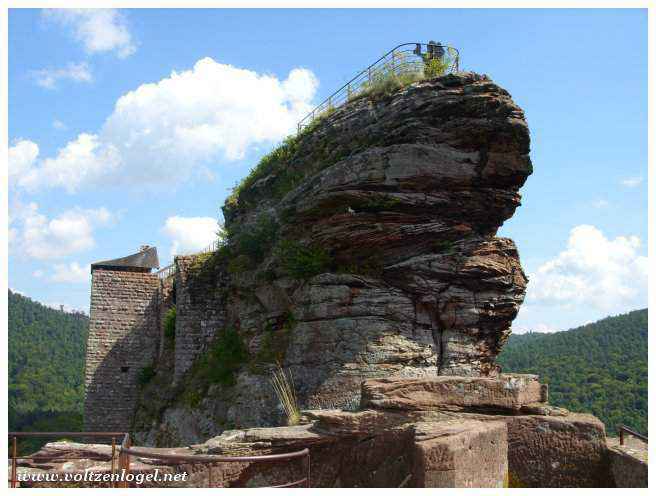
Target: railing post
<point>308,470</point>
<point>621,435</point>
<point>14,470</point>
<point>127,461</point>
<point>112,482</point>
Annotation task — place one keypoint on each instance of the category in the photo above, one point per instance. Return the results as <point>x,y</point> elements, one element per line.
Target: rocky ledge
<point>413,433</point>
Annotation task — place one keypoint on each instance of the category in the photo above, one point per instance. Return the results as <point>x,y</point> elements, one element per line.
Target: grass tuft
<point>283,385</point>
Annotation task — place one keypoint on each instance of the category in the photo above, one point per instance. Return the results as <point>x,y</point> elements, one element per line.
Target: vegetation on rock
<point>169,324</point>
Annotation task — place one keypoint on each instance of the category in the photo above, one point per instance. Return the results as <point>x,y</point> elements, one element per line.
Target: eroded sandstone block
<point>506,392</point>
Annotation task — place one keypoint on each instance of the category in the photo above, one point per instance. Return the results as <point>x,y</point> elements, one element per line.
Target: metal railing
<point>407,59</point>
<point>623,429</point>
<point>127,451</point>
<point>420,59</point>
<point>169,270</point>
<point>120,465</point>
<point>14,436</point>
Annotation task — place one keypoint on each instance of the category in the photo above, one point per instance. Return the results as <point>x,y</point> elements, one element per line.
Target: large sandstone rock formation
<point>365,249</point>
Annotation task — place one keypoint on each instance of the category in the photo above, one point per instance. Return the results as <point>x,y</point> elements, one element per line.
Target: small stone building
<point>123,336</point>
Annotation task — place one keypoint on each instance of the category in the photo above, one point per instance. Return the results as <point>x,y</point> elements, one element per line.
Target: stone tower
<point>123,337</point>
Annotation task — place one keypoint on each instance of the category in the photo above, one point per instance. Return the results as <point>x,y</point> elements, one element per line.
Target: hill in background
<point>46,367</point>
<point>599,368</point>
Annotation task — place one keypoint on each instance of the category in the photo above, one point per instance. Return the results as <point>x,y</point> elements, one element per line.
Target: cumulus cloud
<point>190,234</point>
<point>48,78</point>
<point>37,236</point>
<point>632,182</point>
<point>84,160</point>
<point>71,273</point>
<point>22,156</point>
<point>99,30</point>
<point>606,274</point>
<point>165,131</point>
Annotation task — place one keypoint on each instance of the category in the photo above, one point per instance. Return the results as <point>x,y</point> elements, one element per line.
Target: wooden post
<point>14,469</point>
<point>621,436</point>
<point>210,476</point>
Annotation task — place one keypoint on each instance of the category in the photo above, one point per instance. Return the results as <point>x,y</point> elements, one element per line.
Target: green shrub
<point>303,262</point>
<point>145,375</point>
<point>274,344</point>
<point>224,357</point>
<point>169,323</point>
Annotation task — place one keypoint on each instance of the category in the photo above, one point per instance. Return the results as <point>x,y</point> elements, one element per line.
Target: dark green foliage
<point>224,357</point>
<point>46,367</point>
<point>249,245</point>
<point>600,368</point>
<point>146,374</point>
<point>274,344</point>
<point>303,262</point>
<point>169,323</point>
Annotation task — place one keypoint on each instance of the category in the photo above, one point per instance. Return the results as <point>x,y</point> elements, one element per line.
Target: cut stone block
<point>460,454</point>
<point>506,392</point>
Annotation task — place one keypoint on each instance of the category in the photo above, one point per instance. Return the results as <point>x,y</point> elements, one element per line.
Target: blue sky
<point>110,150</point>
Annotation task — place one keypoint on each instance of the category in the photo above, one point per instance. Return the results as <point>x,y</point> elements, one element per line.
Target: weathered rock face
<point>398,201</point>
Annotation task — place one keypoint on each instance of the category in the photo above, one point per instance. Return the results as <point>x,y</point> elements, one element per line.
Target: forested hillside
<point>600,368</point>
<point>46,366</point>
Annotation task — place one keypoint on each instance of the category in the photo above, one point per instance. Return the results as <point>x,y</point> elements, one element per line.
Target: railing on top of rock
<point>406,60</point>
<point>169,270</point>
<point>413,61</point>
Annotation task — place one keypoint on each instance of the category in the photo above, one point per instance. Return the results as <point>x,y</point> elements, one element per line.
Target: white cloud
<point>48,78</point>
<point>99,30</point>
<point>36,236</point>
<point>632,182</point>
<point>71,273</point>
<point>38,274</point>
<point>600,203</point>
<point>596,272</point>
<point>190,234</point>
<point>22,156</point>
<point>164,132</point>
<point>59,125</point>
<point>84,160</point>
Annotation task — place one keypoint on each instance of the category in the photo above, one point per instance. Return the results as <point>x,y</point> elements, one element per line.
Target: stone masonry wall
<point>200,312</point>
<point>123,339</point>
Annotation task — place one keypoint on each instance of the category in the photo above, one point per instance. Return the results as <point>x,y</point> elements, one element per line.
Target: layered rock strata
<point>377,257</point>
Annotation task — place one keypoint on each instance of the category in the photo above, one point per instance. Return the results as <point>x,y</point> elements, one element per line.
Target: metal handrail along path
<point>622,429</point>
<point>14,436</point>
<point>121,456</point>
<point>126,451</point>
